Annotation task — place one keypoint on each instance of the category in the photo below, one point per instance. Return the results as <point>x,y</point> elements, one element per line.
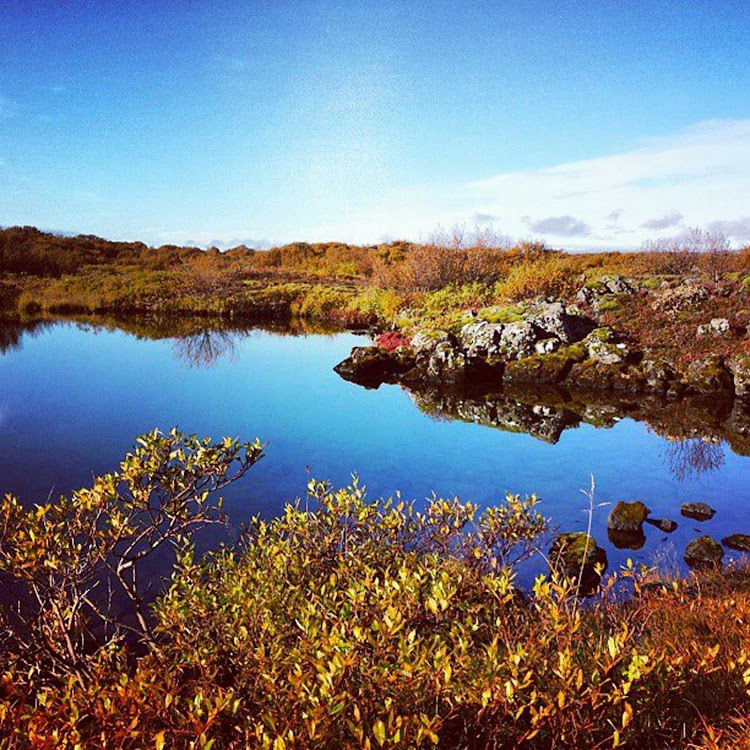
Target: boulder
<point>574,549</point>
<point>666,525</point>
<point>709,376</point>
<point>657,374</point>
<point>371,365</point>
<point>423,343</point>
<point>519,339</point>
<point>627,516</point>
<point>716,327</point>
<point>539,368</point>
<point>447,363</point>
<point>602,347</point>
<point>704,552</point>
<point>697,511</point>
<point>576,554</point>
<point>739,367</point>
<point>737,542</point>
<point>481,339</point>
<point>558,322</point>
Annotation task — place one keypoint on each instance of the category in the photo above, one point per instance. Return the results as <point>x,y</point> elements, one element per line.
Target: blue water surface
<point>73,398</point>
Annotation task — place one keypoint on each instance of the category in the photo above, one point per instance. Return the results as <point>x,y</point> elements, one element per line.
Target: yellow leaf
<point>159,740</point>
<point>378,729</point>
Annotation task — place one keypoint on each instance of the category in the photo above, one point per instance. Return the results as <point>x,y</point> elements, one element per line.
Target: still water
<point>73,397</point>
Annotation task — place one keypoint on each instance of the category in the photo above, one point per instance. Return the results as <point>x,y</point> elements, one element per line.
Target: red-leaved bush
<point>391,341</point>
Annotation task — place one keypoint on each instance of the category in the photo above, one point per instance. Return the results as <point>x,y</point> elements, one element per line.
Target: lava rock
<point>666,525</point>
<point>697,511</point>
<point>737,542</point>
<point>628,517</point>
<point>704,552</point>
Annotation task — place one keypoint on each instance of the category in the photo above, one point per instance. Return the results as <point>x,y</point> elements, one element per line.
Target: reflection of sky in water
<point>74,400</point>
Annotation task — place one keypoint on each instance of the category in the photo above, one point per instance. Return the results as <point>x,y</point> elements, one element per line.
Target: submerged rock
<point>697,511</point>
<point>737,542</point>
<point>627,517</point>
<point>704,552</point>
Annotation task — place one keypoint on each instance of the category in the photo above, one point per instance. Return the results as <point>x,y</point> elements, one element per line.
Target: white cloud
<point>701,173</point>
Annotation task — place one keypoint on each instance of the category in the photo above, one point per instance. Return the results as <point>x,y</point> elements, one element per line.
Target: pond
<point>74,396</point>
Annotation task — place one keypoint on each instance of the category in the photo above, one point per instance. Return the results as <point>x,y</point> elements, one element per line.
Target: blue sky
<point>585,123</point>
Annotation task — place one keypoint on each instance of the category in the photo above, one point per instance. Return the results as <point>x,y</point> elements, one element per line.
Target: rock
<point>704,552</point>
<point>447,364</point>
<point>657,374</point>
<point>557,322</point>
<point>370,365</point>
<point>481,339</point>
<point>423,343</point>
<point>709,376</point>
<point>547,346</point>
<point>576,554</point>
<point>739,367</point>
<point>666,525</point>
<point>716,327</point>
<point>519,339</point>
<point>680,298</point>
<point>627,516</point>
<point>592,293</point>
<point>603,349</point>
<point>542,369</point>
<point>738,542</point>
<point>697,511</point>
<point>576,548</point>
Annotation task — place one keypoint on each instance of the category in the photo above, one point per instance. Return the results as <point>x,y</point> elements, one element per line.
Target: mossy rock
<point>697,511</point>
<point>704,552</point>
<point>627,517</point>
<point>539,368</point>
<point>574,549</point>
<point>667,525</point>
<point>737,542</point>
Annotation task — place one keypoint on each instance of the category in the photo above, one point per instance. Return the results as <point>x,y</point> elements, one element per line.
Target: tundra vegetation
<point>346,623</point>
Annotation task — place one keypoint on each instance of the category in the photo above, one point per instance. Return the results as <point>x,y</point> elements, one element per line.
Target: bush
<point>359,624</point>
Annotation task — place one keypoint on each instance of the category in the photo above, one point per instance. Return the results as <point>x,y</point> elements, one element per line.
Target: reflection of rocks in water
<point>627,539</point>
<point>694,456</point>
<point>204,349</point>
<point>495,410</point>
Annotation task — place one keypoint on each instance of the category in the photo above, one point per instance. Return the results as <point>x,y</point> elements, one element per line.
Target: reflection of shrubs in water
<point>693,457</point>
<point>204,349</point>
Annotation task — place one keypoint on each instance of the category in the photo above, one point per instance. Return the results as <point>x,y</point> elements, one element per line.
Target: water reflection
<point>695,429</point>
<point>694,456</point>
<point>204,349</point>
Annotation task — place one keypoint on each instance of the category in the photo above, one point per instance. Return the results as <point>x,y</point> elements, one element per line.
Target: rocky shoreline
<point>549,343</point>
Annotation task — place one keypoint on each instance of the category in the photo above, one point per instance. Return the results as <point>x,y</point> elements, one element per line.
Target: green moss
<point>502,314</point>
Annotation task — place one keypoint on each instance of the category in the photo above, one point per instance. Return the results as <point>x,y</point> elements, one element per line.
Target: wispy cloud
<point>559,226</point>
<point>700,174</point>
<point>670,219</point>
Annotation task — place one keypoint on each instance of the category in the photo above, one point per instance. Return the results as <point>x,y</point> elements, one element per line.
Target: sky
<point>214,122</point>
